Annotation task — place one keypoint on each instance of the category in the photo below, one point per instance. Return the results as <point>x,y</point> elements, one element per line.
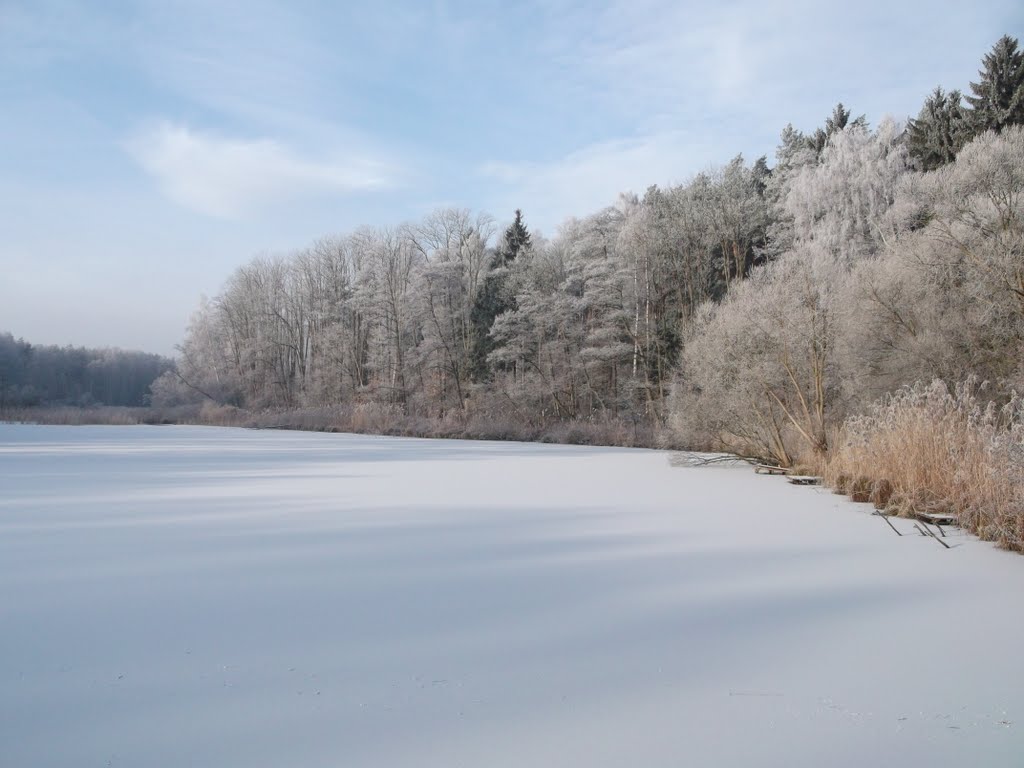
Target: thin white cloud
<point>669,88</point>
<point>230,178</point>
<point>590,178</point>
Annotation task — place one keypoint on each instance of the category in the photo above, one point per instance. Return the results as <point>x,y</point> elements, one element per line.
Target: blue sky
<point>149,148</point>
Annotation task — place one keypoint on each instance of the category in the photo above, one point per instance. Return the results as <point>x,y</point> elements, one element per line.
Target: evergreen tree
<point>761,174</point>
<point>835,122</point>
<point>496,295</point>
<point>515,240</point>
<point>997,99</point>
<point>939,131</point>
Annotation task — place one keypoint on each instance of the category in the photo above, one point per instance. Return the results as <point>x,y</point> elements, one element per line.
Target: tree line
<point>753,308</point>
<point>34,375</point>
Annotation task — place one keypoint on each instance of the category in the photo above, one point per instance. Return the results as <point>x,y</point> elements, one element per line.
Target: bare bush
<point>760,376</point>
<point>73,415</point>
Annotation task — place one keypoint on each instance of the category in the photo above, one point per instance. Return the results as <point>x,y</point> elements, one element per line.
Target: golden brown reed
<point>929,449</point>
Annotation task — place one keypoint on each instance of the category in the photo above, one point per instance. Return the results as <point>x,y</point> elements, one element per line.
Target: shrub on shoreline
<point>368,418</point>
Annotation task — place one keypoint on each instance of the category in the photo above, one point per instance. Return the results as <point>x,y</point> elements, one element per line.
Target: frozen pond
<point>188,596</point>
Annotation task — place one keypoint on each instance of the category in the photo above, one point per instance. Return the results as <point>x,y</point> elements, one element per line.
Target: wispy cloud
<point>230,177</point>
<point>590,178</point>
<point>669,88</point>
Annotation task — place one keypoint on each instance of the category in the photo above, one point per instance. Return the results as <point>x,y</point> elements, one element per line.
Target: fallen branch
<point>693,459</point>
<point>888,521</point>
<point>932,534</point>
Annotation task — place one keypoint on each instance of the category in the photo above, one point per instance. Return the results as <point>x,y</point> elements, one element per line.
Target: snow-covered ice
<point>188,596</point>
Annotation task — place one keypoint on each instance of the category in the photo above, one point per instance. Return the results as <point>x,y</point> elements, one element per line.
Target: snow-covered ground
<point>179,596</point>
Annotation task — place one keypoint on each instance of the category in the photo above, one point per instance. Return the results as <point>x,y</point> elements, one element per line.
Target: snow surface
<point>187,596</point>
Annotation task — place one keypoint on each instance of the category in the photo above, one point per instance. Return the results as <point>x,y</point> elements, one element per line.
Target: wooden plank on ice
<point>768,469</point>
<point>804,480</point>
<point>937,518</point>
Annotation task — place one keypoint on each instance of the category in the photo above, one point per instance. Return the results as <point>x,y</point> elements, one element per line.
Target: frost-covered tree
<point>738,217</point>
<point>795,153</point>
<point>841,201</point>
<point>944,298</point>
<point>602,290</point>
<point>762,372</point>
<point>440,301</point>
<point>387,291</point>
<point>977,222</point>
<point>760,375</point>
<point>537,343</point>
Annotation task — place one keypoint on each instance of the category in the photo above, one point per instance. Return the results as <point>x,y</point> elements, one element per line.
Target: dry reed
<point>929,449</point>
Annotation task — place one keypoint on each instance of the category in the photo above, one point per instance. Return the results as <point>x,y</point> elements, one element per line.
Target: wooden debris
<point>888,521</point>
<point>768,469</point>
<point>932,534</point>
<point>937,518</point>
<point>804,480</point>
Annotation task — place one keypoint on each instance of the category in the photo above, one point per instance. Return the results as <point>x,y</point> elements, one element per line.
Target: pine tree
<point>761,174</point>
<point>835,122</point>
<point>939,131</point>
<point>997,99</point>
<point>496,295</point>
<point>516,239</point>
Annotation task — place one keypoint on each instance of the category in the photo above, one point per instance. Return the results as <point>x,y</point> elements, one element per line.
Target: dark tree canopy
<point>945,124</point>
<point>837,121</point>
<point>515,240</point>
<point>940,129</point>
<point>997,99</point>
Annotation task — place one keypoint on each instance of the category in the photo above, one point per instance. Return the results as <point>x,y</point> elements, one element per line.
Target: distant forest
<point>33,375</point>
